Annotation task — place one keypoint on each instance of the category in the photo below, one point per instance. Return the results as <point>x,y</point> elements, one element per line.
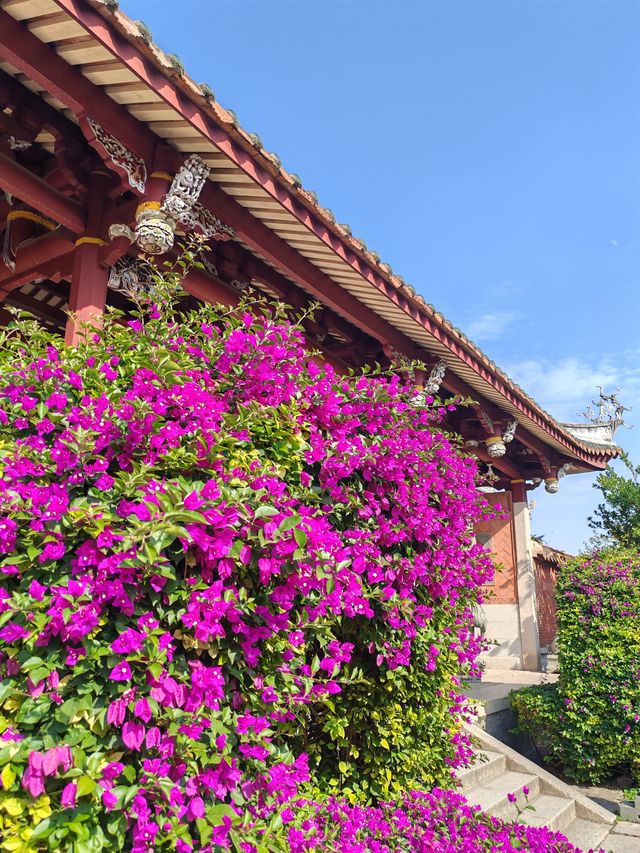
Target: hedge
<point>590,721</point>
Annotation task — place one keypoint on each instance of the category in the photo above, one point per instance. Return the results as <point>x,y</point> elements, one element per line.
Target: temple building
<point>109,150</point>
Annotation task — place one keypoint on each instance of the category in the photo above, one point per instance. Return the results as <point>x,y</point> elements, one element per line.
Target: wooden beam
<point>54,268</point>
<point>35,192</point>
<point>15,94</point>
<point>209,289</point>
<point>49,249</point>
<point>40,308</point>
<point>502,463</point>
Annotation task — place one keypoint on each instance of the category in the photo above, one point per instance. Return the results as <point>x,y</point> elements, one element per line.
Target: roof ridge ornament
<point>604,417</point>
<point>609,410</point>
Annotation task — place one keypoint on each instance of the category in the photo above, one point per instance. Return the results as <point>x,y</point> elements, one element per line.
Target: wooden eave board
<point>102,77</point>
<point>27,9</point>
<point>82,54</point>
<point>130,96</point>
<point>153,111</point>
<point>193,146</point>
<point>55,31</point>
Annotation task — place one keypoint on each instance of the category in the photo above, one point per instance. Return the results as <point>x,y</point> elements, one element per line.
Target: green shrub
<point>590,721</point>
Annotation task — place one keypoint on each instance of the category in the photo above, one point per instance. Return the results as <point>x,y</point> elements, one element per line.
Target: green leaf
<point>86,785</point>
<point>289,523</point>
<point>300,536</point>
<point>41,830</point>
<point>264,510</point>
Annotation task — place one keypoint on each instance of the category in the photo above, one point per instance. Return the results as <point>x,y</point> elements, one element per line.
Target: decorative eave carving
<point>433,383</point>
<point>129,276</point>
<point>185,188</point>
<point>156,221</point>
<point>510,431</point>
<point>19,144</point>
<point>211,226</point>
<point>485,420</point>
<point>552,484</point>
<point>124,160</point>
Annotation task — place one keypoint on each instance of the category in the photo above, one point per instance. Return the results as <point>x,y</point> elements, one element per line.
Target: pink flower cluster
<point>436,822</point>
<point>206,540</point>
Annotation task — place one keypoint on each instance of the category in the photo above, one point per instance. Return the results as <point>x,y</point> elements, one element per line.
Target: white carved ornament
<point>433,383</point>
<point>185,188</point>
<point>128,275</point>
<point>509,434</point>
<point>155,227</point>
<point>121,157</point>
<point>210,225</point>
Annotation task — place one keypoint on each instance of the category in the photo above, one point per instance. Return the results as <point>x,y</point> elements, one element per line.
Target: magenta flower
<point>153,738</point>
<point>130,641</point>
<point>121,672</point>
<point>8,535</point>
<point>110,800</point>
<point>133,735</point>
<point>142,710</point>
<point>196,808</point>
<point>68,796</point>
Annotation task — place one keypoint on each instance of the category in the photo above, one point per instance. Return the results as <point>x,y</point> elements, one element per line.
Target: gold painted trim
<point>147,205</point>
<point>32,217</point>
<point>94,241</point>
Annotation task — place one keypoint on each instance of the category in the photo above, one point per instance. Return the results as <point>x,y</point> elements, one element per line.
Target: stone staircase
<point>499,771</point>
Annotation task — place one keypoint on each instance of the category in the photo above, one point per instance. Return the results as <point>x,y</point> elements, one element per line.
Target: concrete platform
<point>491,699</point>
<point>496,684</point>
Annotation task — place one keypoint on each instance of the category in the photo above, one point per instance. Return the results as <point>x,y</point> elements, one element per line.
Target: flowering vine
<point>229,576</point>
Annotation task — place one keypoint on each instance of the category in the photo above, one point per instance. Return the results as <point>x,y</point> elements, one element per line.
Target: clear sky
<point>489,150</point>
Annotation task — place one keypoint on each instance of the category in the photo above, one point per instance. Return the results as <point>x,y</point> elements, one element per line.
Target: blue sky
<point>489,150</point>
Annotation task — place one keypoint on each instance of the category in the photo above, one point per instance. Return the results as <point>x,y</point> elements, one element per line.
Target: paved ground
<point>497,683</point>
<point>624,838</point>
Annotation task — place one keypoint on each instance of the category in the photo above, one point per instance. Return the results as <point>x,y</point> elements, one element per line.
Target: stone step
<point>554,812</point>
<point>487,764</point>
<point>555,804</point>
<point>621,844</point>
<point>492,795</point>
<point>586,834</point>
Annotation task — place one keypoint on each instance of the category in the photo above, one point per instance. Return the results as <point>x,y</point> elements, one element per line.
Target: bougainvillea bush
<point>440,821</point>
<point>230,578</point>
<point>590,721</point>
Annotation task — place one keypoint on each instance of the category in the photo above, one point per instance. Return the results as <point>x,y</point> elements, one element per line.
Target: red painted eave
<point>116,32</point>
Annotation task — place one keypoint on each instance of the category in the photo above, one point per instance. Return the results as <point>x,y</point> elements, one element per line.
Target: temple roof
<point>544,552</point>
<point>143,82</point>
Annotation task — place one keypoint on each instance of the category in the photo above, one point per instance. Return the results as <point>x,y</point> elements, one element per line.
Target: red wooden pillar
<point>518,491</point>
<point>88,278</point>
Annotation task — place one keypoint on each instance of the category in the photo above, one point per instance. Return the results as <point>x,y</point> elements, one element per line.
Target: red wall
<point>504,589</point>
<point>546,600</point>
